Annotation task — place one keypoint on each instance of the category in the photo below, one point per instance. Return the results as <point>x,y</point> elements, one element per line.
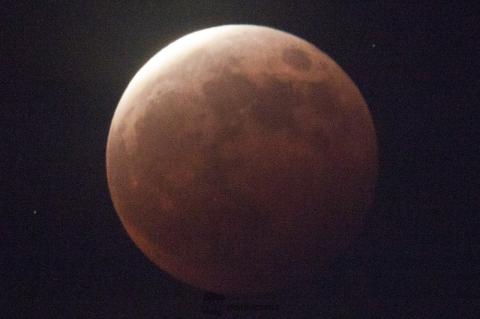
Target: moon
<point>241,159</point>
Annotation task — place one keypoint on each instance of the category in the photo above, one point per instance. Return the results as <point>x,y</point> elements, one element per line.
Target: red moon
<point>241,158</point>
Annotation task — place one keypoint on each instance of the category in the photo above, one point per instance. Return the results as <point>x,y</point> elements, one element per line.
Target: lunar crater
<point>297,58</point>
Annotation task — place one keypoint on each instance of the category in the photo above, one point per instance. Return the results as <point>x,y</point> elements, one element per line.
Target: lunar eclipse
<point>241,159</point>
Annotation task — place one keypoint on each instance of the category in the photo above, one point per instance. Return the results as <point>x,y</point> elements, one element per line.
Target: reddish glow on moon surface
<point>241,159</point>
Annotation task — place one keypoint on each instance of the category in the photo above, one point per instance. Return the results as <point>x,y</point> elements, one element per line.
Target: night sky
<point>64,66</point>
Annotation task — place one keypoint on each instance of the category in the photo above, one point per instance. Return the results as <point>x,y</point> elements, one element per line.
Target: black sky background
<point>64,66</point>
